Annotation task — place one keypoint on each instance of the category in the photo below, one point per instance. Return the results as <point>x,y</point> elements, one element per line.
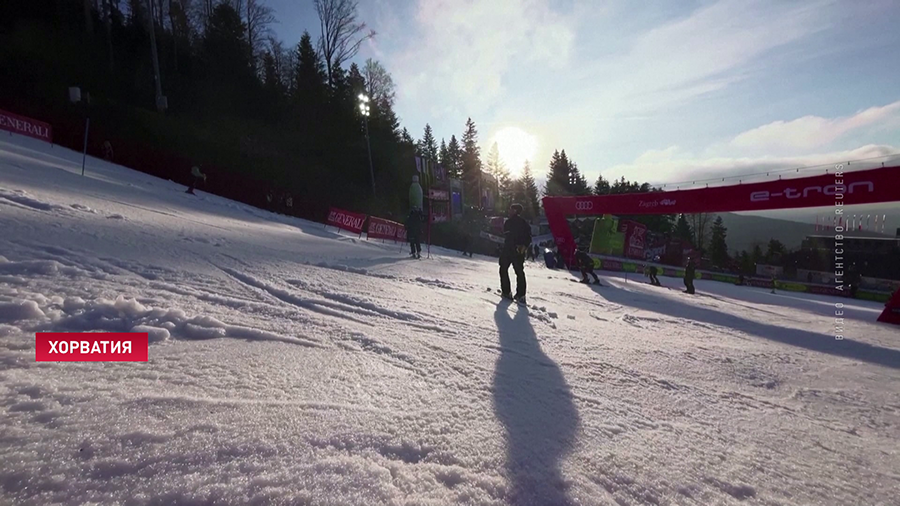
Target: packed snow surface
<point>291,364</point>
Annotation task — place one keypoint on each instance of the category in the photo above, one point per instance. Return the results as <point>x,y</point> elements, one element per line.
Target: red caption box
<point>92,347</point>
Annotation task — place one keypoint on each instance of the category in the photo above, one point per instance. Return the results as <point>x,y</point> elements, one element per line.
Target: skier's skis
<point>496,291</point>
<point>586,283</point>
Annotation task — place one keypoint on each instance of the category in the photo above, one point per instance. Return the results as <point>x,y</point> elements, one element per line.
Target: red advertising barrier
<point>380,228</point>
<point>634,238</point>
<point>25,126</point>
<point>351,222</point>
<point>92,347</point>
<point>891,313</point>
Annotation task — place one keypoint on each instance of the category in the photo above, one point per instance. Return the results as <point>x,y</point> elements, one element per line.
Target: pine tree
<point>683,229</point>
<point>495,167</point>
<point>454,158</point>
<point>427,146</point>
<point>530,190</point>
<point>601,187</point>
<point>443,156</point>
<point>746,263</point>
<point>309,93</point>
<point>471,164</point>
<point>775,251</point>
<point>518,195</point>
<point>558,178</point>
<point>718,249</point>
<point>577,183</point>
<point>757,255</point>
<point>405,138</point>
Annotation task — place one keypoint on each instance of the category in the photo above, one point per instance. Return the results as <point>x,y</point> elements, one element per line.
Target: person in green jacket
<point>415,194</point>
<point>195,176</point>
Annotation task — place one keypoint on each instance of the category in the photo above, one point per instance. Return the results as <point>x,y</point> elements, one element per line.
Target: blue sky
<point>657,91</point>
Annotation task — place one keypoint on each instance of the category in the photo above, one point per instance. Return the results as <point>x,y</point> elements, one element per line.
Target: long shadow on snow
<point>536,407</point>
<point>822,343</point>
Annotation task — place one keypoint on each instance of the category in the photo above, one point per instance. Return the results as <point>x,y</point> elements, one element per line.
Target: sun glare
<point>516,146</point>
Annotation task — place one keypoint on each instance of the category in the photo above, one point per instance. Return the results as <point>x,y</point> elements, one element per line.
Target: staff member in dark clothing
<point>414,233</point>
<point>689,272</point>
<point>517,238</point>
<point>586,264</point>
<point>653,279</point>
<point>467,244</point>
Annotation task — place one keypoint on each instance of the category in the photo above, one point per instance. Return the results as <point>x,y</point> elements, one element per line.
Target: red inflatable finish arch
<point>840,189</point>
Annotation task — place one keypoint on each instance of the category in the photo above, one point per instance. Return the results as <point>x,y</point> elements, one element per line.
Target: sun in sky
<point>516,146</point>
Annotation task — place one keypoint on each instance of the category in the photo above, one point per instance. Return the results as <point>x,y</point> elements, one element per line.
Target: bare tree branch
<point>258,17</point>
<point>341,34</point>
<point>379,84</point>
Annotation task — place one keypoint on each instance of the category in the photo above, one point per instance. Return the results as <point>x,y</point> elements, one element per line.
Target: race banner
<point>634,238</point>
<point>854,187</point>
<point>380,228</point>
<point>401,234</point>
<point>25,126</point>
<point>346,220</point>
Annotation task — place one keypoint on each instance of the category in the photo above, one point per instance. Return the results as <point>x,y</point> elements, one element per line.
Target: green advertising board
<point>606,239</point>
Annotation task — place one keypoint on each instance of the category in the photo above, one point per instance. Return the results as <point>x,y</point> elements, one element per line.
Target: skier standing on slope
<point>653,279</point>
<point>586,264</point>
<point>517,238</point>
<point>689,271</point>
<point>196,175</point>
<point>414,233</point>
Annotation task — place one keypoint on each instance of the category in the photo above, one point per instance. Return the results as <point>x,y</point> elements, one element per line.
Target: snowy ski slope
<point>293,365</point>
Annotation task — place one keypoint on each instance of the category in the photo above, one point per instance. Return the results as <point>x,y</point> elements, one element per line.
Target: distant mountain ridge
<point>745,231</point>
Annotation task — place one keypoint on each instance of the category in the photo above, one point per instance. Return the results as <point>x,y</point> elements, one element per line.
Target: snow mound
<point>22,198</point>
<point>17,311</point>
<point>123,314</point>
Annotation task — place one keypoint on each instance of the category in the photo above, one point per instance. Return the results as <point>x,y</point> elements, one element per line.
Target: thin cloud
<point>459,52</point>
<point>810,132</point>
<point>674,167</point>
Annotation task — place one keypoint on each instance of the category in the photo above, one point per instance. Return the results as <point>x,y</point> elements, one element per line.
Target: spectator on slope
<point>549,258</point>
<point>414,232</point>
<point>107,151</point>
<point>653,279</point>
<point>196,175</point>
<point>467,243</point>
<point>517,239</point>
<point>853,279</point>
<point>689,272</point>
<point>586,264</point>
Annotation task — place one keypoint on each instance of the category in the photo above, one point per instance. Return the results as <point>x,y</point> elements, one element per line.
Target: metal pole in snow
<point>87,126</point>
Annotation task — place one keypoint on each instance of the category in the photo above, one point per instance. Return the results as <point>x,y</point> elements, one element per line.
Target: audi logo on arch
<point>584,205</point>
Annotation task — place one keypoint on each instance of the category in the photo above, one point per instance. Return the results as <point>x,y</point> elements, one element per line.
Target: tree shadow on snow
<point>822,343</point>
<point>536,407</point>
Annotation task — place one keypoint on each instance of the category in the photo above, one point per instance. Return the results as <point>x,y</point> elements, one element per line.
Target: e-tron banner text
<point>349,221</point>
<point>850,188</point>
<point>834,189</point>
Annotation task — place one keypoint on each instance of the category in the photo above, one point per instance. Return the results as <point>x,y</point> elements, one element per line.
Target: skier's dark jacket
<point>516,232</point>
<point>689,270</point>
<point>584,260</point>
<point>414,224</point>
